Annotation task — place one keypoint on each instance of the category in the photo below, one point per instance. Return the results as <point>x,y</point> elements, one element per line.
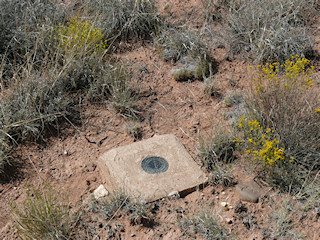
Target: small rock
<point>226,208</point>
<point>223,193</point>
<point>224,204</point>
<point>228,220</point>
<point>249,191</point>
<point>132,235</point>
<point>65,152</point>
<point>100,192</point>
<point>174,194</point>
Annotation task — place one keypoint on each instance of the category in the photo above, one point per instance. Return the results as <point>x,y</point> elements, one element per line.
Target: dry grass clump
<point>215,153</point>
<point>33,102</point>
<point>43,215</point>
<point>47,61</point>
<point>219,148</point>
<point>178,43</point>
<point>26,25</point>
<point>206,224</point>
<point>267,30</point>
<point>214,10</point>
<point>124,20</point>
<point>282,221</point>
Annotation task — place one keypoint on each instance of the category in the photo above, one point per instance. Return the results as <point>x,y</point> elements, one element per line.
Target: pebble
<point>224,204</point>
<point>174,194</point>
<point>100,192</point>
<point>228,220</point>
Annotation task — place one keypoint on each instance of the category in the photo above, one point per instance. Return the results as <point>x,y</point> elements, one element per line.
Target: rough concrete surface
<point>121,169</point>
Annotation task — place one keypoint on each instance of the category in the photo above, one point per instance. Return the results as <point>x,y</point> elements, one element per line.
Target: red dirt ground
<point>68,161</point>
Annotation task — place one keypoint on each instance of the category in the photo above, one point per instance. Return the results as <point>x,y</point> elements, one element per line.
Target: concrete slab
<point>151,169</point>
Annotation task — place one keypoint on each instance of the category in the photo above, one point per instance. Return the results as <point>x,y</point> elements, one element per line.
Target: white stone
<point>174,194</point>
<point>224,204</point>
<point>100,192</point>
<point>228,220</point>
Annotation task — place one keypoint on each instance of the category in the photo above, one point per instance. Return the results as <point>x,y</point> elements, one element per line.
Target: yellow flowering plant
<point>286,97</point>
<point>260,143</point>
<point>80,38</point>
<point>294,72</point>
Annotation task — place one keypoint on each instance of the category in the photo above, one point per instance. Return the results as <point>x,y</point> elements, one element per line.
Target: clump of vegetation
<point>214,153</point>
<point>211,87</point>
<point>118,203</point>
<point>43,215</point>
<point>26,26</point>
<point>268,31</point>
<point>206,224</point>
<point>80,38</point>
<point>261,143</point>
<point>134,129</point>
<point>233,98</point>
<point>214,10</point>
<point>175,44</point>
<point>4,151</point>
<point>33,102</point>
<point>282,221</point>
<point>124,20</point>
<point>219,148</point>
<point>285,98</point>
<point>281,128</point>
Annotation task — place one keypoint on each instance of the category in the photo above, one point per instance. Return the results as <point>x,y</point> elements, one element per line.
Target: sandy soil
<point>68,159</point>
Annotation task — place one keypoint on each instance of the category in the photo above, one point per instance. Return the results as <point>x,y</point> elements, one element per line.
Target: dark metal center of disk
<point>154,165</point>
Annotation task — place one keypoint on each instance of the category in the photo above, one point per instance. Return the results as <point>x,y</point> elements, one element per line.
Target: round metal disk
<point>154,165</point>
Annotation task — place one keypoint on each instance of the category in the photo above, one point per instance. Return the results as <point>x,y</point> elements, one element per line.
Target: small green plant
<point>80,37</point>
<point>206,224</point>
<point>42,215</point>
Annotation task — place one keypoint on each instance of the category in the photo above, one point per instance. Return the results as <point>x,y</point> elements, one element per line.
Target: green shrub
<point>80,38</point>
<point>124,19</point>
<point>285,99</point>
<point>281,127</point>
<point>42,215</point>
<point>268,30</point>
